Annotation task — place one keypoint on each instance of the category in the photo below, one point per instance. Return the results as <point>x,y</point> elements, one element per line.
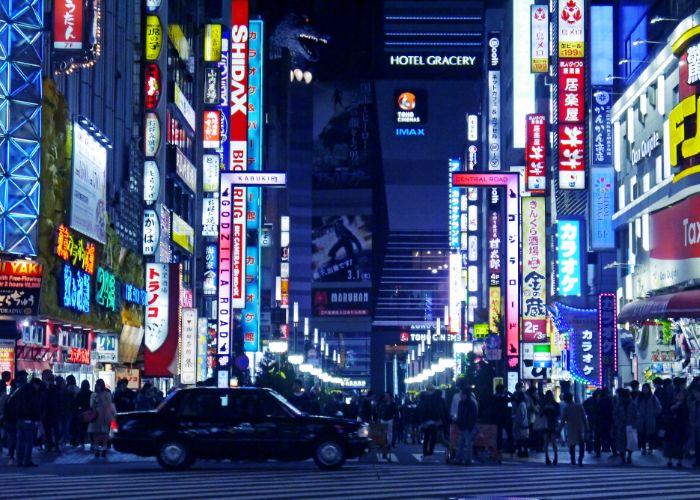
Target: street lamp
<point>640,41</point>
<point>659,19</point>
<point>611,77</point>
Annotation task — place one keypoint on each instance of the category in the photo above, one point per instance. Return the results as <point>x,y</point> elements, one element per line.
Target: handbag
<point>89,415</point>
<point>632,442</point>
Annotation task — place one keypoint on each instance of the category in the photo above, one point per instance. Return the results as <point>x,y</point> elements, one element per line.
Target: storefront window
<point>34,334</point>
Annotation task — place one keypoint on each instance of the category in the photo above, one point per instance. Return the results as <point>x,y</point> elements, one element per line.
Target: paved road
<point>356,480</point>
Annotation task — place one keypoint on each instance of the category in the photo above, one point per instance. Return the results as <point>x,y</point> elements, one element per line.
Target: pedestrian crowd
<point>53,413</point>
<point>659,417</point>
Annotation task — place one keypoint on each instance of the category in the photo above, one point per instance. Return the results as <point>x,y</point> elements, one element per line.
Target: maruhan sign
<point>402,60</point>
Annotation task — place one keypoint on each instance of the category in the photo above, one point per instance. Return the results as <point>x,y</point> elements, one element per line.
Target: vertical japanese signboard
<point>601,127</point>
<point>572,173</point>
<point>68,25</point>
<point>534,281</point>
<point>539,39</point>
<point>494,101</point>
<point>571,87</point>
<point>188,346</point>
<point>250,318</point>
<point>509,181</point>
<point>453,207</point>
<point>571,28</point>
<point>569,257</point>
<point>607,325</point>
<point>159,352</point>
<point>602,207</point>
<point>238,126</point>
<point>536,153</point>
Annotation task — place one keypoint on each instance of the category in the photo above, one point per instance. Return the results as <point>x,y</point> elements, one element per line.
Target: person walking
<point>82,404</point>
<point>431,414</point>
<point>625,423</point>
<point>502,417</point>
<point>9,420</point>
<point>603,423</point>
<point>386,413</point>
<point>28,412</point>
<point>550,411</point>
<point>101,403</point>
<point>677,432</point>
<point>521,427</point>
<point>50,408</point>
<point>694,418</point>
<point>467,416</point>
<point>648,409</point>
<point>573,417</point>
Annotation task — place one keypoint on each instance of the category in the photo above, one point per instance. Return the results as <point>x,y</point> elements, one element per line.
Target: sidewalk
<point>75,456</point>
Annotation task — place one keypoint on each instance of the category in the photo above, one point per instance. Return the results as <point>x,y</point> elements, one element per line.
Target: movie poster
<point>341,248</point>
<point>345,135</point>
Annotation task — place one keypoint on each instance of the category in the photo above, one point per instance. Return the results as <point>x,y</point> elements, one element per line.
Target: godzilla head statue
<point>295,34</point>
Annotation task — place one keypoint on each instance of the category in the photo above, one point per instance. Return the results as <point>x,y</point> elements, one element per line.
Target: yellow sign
<point>571,50</point>
<point>494,308</point>
<point>689,146</point>
<point>179,40</point>
<point>212,42</point>
<point>183,234</point>
<point>154,37</point>
<point>481,330</point>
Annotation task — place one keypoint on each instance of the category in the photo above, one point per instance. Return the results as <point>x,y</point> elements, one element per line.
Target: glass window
<point>206,405</point>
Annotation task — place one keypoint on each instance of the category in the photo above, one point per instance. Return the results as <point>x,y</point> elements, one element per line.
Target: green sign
<point>106,289</point>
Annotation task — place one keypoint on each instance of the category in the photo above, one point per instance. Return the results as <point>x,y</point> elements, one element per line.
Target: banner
<point>341,248</point>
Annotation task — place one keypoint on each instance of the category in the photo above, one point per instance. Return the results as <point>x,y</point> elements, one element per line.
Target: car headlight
<point>363,432</point>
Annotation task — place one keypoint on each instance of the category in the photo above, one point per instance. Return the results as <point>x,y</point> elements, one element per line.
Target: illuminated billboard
<point>539,39</point>
<point>341,248</point>
<point>571,28</point>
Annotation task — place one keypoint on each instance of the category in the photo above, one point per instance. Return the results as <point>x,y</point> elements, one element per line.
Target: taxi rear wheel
<point>329,454</point>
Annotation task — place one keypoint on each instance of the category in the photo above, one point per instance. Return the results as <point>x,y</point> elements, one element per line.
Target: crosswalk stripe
<point>397,481</point>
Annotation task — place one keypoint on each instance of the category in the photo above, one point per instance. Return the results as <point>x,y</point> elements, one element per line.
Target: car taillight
<point>114,426</point>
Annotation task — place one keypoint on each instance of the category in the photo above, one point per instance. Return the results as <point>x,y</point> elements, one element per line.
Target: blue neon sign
<point>75,289</point>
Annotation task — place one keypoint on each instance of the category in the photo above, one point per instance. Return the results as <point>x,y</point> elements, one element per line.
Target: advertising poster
<point>7,356</point>
<point>107,347</point>
<point>341,248</point>
<point>341,302</point>
<point>346,141</point>
<point>88,213</point>
<point>20,286</point>
<point>354,351</point>
<point>674,252</point>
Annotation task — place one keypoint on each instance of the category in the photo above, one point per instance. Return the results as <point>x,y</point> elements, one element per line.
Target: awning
<point>684,304</point>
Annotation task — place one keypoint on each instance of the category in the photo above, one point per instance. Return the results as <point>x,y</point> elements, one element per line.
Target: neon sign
<point>106,295</point>
<point>134,295</point>
<point>569,257</point>
<point>76,251</point>
<point>75,289</point>
<point>78,355</point>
